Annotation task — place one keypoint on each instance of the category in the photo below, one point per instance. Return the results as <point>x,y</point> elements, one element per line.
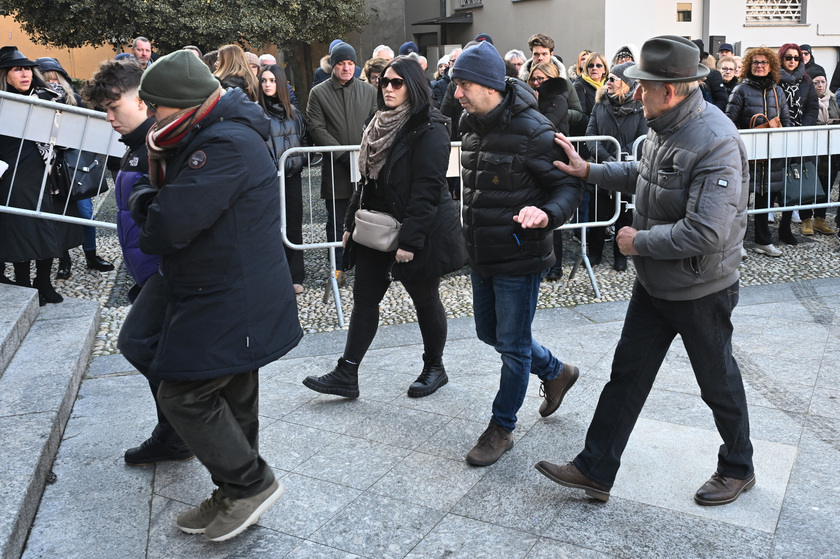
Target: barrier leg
<point>333,286</point>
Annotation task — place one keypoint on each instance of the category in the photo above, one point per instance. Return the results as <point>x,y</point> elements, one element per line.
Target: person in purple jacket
<point>114,88</point>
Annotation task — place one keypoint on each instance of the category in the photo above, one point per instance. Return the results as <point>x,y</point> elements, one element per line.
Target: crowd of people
<point>214,296</point>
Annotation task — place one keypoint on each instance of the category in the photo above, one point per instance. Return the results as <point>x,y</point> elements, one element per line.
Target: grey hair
<point>138,39</point>
<point>515,53</point>
<point>681,89</point>
<point>386,48</point>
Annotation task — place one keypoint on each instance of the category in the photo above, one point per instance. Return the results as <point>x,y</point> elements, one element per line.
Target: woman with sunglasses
<point>24,238</point>
<point>594,76</point>
<point>288,130</point>
<point>553,102</point>
<point>803,102</point>
<point>617,114</point>
<point>403,161</point>
<point>758,94</point>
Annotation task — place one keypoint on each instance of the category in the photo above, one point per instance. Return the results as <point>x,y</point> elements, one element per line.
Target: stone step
<point>37,391</point>
<point>18,310</point>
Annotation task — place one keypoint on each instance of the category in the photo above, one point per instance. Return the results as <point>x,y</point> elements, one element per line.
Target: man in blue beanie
<point>408,47</point>
<point>513,200</point>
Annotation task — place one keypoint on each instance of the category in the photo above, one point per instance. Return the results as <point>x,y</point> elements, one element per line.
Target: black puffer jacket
<point>802,99</point>
<point>439,89</point>
<point>755,96</point>
<point>412,187</point>
<point>553,102</point>
<point>507,157</point>
<point>287,133</point>
<point>624,121</point>
<point>216,223</point>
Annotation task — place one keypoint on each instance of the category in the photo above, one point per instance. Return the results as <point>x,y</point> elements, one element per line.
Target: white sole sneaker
<point>254,517</point>
<point>768,250</point>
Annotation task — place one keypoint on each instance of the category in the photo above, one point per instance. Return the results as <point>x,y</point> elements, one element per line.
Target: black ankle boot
<point>432,378</point>
<point>96,263</point>
<point>787,237</point>
<point>64,264</point>
<point>164,445</point>
<point>46,291</point>
<point>342,381</point>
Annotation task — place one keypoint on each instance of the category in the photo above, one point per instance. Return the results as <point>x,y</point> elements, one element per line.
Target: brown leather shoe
<point>570,476</point>
<point>720,490</point>
<point>492,443</point>
<point>553,390</point>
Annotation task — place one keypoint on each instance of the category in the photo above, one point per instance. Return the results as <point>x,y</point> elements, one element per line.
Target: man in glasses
<point>513,200</point>
<point>691,186</point>
<point>336,113</point>
<point>542,50</point>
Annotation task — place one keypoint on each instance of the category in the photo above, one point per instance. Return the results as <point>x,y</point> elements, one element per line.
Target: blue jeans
<point>504,308</point>
<point>86,211</point>
<point>650,326</point>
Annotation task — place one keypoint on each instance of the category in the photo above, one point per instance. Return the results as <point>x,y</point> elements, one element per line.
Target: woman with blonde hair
<point>235,71</point>
<point>576,71</point>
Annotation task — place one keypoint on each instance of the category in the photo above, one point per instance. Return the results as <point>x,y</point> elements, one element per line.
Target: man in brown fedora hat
<point>688,225</point>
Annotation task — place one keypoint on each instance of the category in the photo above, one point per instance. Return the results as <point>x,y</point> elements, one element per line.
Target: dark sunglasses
<point>595,65</point>
<point>789,57</point>
<point>396,83</point>
<point>612,79</point>
<point>151,106</point>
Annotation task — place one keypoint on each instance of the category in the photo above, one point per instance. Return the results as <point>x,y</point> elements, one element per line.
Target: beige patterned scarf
<point>378,137</point>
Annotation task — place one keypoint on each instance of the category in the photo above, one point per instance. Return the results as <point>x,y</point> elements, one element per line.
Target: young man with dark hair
<point>114,89</point>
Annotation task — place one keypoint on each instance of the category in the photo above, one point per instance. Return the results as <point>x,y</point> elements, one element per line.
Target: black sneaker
<point>158,448</point>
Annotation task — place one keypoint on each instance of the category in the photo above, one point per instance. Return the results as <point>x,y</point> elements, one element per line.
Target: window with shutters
<point>774,11</point>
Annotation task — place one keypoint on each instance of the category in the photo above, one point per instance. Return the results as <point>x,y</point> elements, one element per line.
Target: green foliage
<point>171,24</point>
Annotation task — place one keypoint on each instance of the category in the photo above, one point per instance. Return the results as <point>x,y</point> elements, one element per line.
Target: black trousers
<point>294,227</point>
<point>217,418</point>
<point>650,326</point>
<point>372,281</point>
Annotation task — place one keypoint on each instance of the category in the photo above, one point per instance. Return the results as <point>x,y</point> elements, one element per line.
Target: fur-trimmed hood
<point>325,64</point>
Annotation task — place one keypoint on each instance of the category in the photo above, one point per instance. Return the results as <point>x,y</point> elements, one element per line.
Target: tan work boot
<point>823,227</point>
<point>807,230</point>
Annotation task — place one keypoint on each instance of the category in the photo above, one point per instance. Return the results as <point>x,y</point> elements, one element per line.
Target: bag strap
<point>778,114</point>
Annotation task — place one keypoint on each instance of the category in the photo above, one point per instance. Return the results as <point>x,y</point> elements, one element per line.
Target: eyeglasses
<point>594,65</point>
<point>151,106</point>
<point>374,78</point>
<point>396,83</point>
<point>760,63</point>
<point>612,79</point>
<point>789,57</point>
<point>538,79</point>
<point>727,70</point>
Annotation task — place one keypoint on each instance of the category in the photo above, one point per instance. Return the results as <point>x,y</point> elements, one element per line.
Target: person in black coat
<point>552,92</point>
<point>811,67</point>
<point>288,130</point>
<point>403,161</point>
<point>24,238</point>
<point>618,114</point>
<point>211,208</point>
<point>758,96</point>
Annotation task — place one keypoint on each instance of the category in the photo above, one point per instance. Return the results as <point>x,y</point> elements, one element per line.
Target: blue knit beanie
<point>481,64</point>
<point>334,43</point>
<point>408,47</point>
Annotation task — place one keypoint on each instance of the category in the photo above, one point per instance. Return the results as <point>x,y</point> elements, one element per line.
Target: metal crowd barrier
<point>54,126</point>
<point>454,170</point>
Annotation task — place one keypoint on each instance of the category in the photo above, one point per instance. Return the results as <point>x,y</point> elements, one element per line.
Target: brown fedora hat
<point>668,58</point>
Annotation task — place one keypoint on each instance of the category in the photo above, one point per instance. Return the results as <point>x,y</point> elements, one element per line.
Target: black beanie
<point>342,52</point>
<point>178,80</point>
<point>481,64</point>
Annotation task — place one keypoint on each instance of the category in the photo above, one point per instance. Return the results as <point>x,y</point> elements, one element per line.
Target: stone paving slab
<point>384,475</point>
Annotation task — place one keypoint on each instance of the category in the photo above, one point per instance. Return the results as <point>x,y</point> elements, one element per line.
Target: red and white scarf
<point>164,138</point>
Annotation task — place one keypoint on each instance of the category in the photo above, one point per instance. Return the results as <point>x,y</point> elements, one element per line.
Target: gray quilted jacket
<point>691,187</point>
